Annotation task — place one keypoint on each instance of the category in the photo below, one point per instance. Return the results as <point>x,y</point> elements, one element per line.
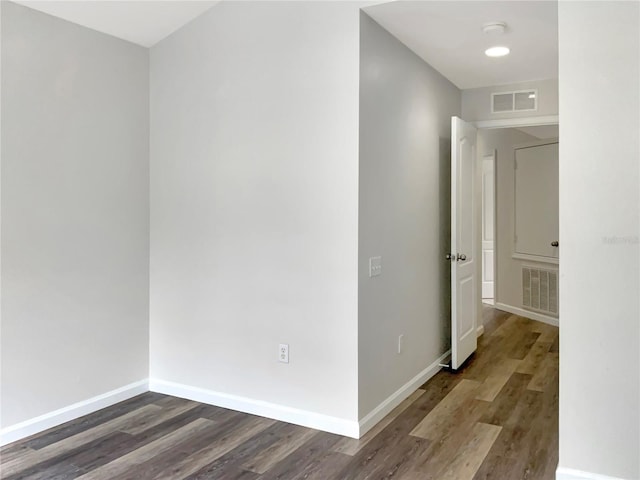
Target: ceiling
<point>448,35</point>
<point>542,132</point>
<point>144,22</point>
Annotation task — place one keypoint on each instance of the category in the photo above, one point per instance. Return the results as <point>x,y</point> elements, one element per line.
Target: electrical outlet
<point>283,353</point>
<point>400,343</point>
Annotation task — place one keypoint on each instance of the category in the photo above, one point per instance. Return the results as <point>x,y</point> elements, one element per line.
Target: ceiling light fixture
<point>494,28</point>
<point>497,51</point>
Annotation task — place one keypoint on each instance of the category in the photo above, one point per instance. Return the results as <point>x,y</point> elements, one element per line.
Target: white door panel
<point>536,185</point>
<point>487,274</point>
<point>464,257</point>
<point>487,259</point>
<point>487,197</point>
<point>465,318</point>
<point>488,212</point>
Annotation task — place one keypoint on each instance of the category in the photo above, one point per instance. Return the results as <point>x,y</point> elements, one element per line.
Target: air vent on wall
<point>540,290</point>
<point>517,101</point>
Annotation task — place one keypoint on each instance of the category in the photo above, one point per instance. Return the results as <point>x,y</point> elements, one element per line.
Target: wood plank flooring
<point>496,418</point>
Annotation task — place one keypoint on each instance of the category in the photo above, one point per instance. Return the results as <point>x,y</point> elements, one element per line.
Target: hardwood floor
<point>497,418</point>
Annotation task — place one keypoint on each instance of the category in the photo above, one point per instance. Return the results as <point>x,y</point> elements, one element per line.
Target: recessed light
<point>496,51</point>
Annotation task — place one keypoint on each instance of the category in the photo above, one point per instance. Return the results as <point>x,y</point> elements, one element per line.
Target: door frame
<point>514,122</point>
<point>518,122</point>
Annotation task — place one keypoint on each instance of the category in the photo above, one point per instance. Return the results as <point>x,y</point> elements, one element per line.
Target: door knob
<point>555,243</point>
<point>451,257</point>
<point>462,257</point>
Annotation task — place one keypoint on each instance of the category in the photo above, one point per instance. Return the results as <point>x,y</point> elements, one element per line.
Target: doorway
<point>518,185</point>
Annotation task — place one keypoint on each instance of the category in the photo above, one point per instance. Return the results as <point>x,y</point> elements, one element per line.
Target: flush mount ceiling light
<point>495,28</point>
<point>497,51</point>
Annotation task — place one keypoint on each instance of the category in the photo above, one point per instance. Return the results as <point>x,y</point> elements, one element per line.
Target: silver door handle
<point>451,257</point>
<point>555,243</point>
<point>462,257</point>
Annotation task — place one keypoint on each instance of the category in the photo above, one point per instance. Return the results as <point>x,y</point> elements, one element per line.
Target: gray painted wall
<point>254,204</point>
<point>405,143</point>
<point>599,232</point>
<point>75,213</point>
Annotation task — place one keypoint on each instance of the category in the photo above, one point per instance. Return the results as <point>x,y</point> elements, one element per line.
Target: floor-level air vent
<point>520,101</point>
<point>540,290</point>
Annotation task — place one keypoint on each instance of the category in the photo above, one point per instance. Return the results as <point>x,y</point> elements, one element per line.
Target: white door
<point>537,225</point>
<point>463,251</point>
<point>488,208</point>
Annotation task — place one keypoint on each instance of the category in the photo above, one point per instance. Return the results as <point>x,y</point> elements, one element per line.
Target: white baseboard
<point>396,398</point>
<point>527,314</point>
<point>571,474</point>
<point>480,331</point>
<point>52,419</point>
<point>305,418</point>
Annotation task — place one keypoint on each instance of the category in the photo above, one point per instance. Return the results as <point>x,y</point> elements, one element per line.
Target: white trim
<point>519,122</point>
<point>396,398</point>
<point>571,474</point>
<point>327,423</point>
<point>528,314</point>
<point>57,417</point>
<point>480,331</point>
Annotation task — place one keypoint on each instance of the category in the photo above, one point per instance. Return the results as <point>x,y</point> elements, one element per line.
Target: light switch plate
<point>375,266</point>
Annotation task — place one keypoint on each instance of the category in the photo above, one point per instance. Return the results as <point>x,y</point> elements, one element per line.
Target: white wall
<point>75,213</point>
<point>405,143</point>
<point>1,9</point>
<point>476,102</point>
<point>254,204</point>
<point>508,286</point>
<point>599,231</point>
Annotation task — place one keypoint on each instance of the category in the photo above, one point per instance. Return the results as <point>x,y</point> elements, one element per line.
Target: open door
<point>463,249</point>
<point>488,210</point>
